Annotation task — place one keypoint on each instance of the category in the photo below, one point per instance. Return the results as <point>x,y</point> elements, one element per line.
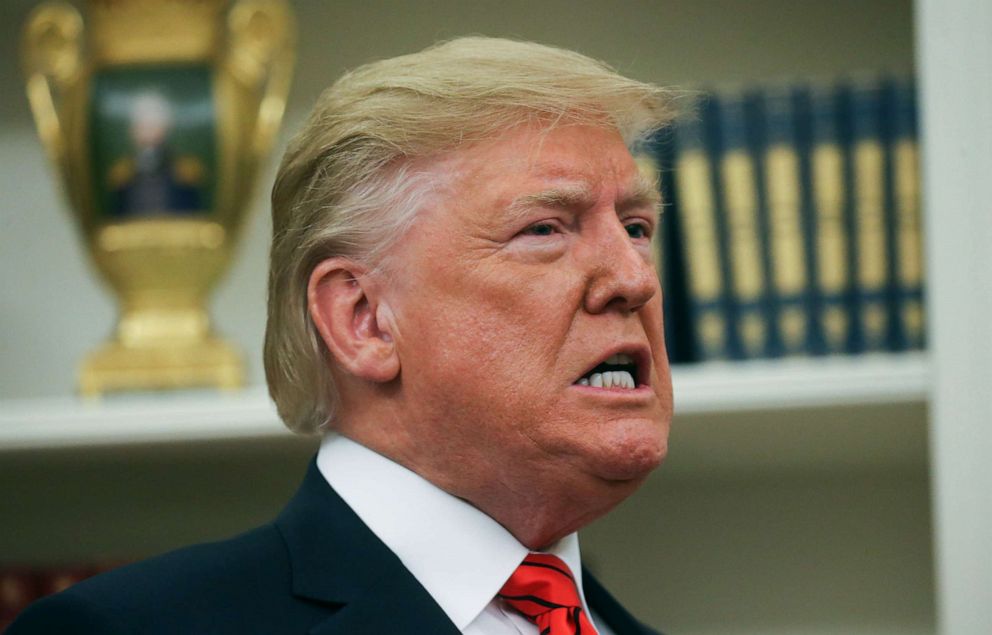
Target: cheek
<point>488,350</point>
<point>477,391</point>
<point>504,317</point>
<point>490,343</point>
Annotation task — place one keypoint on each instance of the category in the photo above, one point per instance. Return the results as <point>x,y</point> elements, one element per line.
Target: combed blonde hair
<point>346,186</point>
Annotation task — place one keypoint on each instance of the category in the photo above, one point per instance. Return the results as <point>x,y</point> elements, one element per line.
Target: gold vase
<point>156,115</point>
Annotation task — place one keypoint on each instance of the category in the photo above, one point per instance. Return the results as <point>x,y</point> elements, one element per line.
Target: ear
<point>351,320</point>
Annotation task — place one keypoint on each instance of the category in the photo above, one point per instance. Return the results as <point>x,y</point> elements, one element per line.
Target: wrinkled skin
<point>495,303</point>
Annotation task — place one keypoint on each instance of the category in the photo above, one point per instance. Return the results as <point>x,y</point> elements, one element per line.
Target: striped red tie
<point>543,589</point>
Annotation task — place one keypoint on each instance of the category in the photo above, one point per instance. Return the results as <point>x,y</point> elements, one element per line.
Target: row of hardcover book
<point>791,223</point>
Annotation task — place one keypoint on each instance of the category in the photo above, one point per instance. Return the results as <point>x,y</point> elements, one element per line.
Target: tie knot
<point>543,589</point>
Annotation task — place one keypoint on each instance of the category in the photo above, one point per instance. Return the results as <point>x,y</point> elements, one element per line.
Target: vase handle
<point>51,56</point>
<point>261,54</point>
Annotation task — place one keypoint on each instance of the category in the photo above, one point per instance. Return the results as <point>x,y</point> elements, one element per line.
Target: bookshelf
<point>797,494</point>
<point>715,394</point>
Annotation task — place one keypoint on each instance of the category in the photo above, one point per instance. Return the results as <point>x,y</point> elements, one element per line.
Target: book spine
<point>669,249</point>
<point>701,240</point>
<point>646,157</point>
<point>803,119</point>
<point>831,280</point>
<point>789,279</point>
<point>739,200</point>
<point>871,263</point>
<point>908,310</point>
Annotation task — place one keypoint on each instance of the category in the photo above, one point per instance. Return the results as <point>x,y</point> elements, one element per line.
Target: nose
<point>622,276</point>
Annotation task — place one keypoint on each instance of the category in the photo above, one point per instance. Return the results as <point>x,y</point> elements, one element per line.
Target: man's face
<point>150,121</point>
<point>530,271</point>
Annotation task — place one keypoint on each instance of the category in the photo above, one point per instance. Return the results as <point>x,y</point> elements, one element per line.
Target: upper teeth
<point>609,379</point>
<point>619,359</point>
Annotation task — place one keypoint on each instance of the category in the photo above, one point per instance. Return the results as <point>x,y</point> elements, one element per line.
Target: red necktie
<point>543,589</point>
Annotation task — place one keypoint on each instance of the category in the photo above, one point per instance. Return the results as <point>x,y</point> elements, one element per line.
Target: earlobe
<point>344,305</point>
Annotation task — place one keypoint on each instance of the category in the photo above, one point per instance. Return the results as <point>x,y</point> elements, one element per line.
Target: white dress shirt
<point>461,556</point>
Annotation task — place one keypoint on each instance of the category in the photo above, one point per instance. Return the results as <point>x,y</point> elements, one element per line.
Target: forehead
<point>560,152</point>
<point>590,160</point>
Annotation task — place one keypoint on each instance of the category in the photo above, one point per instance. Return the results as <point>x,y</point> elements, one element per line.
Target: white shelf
<point>34,424</point>
<point>801,383</point>
<point>705,390</point>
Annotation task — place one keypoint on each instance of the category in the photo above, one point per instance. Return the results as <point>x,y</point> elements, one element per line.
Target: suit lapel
<point>609,610</point>
<point>394,605</point>
<point>336,559</point>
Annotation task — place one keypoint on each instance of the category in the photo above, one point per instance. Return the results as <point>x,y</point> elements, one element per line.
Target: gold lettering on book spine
<point>702,248</point>
<point>870,229</point>
<point>745,245</point>
<point>831,250</point>
<point>907,188</point>
<point>789,274</point>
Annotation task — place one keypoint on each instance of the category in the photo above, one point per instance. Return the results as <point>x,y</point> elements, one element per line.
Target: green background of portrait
<point>192,133</point>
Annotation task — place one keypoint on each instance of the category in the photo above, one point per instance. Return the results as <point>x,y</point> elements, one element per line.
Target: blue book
<point>802,104</point>
<point>864,108</point>
<point>703,242</point>
<point>785,197</point>
<point>739,205</point>
<point>907,323</point>
<point>658,157</point>
<point>831,195</point>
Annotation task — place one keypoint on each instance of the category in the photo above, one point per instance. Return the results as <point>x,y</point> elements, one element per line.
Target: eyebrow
<point>569,196</point>
<point>641,193</point>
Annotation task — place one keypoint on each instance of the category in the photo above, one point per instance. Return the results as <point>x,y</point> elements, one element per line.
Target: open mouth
<point>617,371</point>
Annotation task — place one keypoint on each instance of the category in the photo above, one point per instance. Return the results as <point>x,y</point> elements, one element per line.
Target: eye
<point>638,230</point>
<point>540,229</point>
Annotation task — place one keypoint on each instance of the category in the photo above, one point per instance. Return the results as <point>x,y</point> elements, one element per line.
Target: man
<point>463,301</point>
<point>154,181</point>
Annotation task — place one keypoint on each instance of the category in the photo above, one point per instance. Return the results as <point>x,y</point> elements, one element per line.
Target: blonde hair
<point>347,187</point>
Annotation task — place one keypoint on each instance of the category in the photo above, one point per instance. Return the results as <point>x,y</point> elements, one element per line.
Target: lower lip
<point>641,392</point>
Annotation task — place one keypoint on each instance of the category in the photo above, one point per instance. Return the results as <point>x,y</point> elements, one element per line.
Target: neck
<point>539,516</point>
<point>539,501</point>
<point>538,510</point>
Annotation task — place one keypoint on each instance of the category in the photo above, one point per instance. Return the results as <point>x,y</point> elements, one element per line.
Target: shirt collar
<point>461,556</point>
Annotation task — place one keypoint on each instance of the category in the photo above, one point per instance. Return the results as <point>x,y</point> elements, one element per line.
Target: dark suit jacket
<point>316,569</point>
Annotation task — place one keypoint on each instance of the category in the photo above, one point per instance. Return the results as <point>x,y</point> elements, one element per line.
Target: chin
<point>632,451</point>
